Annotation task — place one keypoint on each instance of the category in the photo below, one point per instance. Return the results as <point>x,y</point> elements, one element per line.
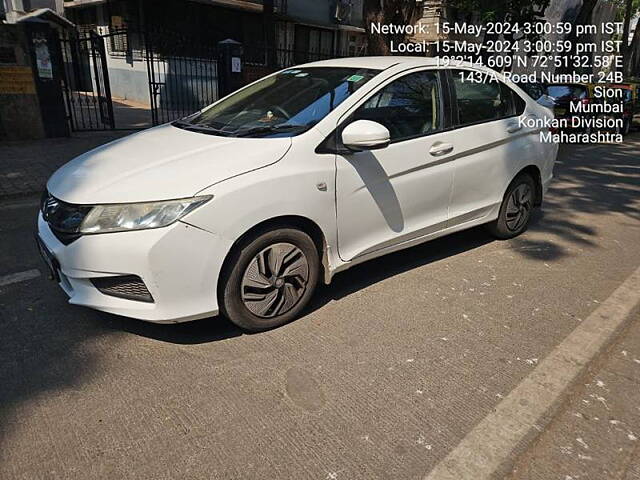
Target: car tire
<point>270,278</point>
<point>516,208</point>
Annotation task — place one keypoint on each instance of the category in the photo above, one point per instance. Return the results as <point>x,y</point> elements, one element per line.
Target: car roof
<point>376,63</point>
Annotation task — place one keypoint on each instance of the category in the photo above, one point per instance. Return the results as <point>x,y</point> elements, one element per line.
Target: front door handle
<point>514,127</point>
<point>439,149</point>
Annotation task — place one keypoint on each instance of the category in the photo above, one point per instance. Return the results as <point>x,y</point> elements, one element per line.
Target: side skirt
<point>459,223</point>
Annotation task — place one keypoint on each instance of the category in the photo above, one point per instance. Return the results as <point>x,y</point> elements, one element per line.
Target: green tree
<point>514,11</point>
<point>399,12</point>
<point>509,11</point>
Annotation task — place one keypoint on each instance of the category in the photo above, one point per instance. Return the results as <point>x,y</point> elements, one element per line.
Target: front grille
<point>64,219</point>
<point>65,238</point>
<point>130,287</point>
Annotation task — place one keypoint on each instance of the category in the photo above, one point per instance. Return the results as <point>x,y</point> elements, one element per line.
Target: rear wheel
<point>271,278</point>
<point>516,208</point>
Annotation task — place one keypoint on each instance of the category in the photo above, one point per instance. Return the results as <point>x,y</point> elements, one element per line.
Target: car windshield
<point>284,104</point>
<point>567,91</point>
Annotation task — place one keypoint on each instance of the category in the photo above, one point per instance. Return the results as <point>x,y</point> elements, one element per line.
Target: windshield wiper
<point>199,127</point>
<point>271,129</point>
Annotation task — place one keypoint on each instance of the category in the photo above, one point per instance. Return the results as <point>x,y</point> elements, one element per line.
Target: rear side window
<point>409,107</point>
<point>485,102</point>
<point>516,104</point>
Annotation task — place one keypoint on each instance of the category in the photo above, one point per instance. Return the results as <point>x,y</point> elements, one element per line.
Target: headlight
<point>138,216</point>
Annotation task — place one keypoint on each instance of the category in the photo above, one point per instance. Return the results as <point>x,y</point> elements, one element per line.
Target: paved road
<point>25,166</point>
<point>595,435</point>
<point>397,360</point>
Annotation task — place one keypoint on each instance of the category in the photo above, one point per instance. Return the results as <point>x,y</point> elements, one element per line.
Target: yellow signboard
<point>16,80</point>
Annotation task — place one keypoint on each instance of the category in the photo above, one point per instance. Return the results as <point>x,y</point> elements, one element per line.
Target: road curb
<point>517,419</point>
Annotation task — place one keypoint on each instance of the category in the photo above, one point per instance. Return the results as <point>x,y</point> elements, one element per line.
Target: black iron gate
<point>86,86</point>
<point>183,75</point>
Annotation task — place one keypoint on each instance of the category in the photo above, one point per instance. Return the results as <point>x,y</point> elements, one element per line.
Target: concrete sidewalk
<point>26,166</point>
<point>595,434</point>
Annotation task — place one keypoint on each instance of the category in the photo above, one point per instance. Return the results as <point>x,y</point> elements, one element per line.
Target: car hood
<point>161,163</point>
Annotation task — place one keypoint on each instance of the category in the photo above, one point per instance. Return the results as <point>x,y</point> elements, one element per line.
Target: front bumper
<point>179,265</point>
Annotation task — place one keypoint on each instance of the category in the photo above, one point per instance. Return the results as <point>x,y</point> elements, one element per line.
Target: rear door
<point>491,146</point>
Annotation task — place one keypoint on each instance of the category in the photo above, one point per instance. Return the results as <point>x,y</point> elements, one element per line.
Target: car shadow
<point>211,329</point>
<point>376,270</point>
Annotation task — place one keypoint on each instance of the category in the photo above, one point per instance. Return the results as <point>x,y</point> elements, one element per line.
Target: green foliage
<point>501,10</point>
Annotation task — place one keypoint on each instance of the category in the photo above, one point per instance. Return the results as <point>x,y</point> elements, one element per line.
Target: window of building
<point>409,107</point>
<point>312,43</point>
<point>356,44</point>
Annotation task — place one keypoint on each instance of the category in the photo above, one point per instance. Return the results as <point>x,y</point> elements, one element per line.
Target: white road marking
<point>486,448</point>
<point>19,277</point>
<point>17,204</point>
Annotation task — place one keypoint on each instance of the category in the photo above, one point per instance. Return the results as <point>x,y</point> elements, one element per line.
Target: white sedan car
<point>244,207</point>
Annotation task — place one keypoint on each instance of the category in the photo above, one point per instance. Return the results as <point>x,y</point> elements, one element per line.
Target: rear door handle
<point>514,127</point>
<point>439,149</point>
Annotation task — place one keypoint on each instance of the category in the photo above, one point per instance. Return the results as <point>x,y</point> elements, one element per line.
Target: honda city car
<point>246,206</point>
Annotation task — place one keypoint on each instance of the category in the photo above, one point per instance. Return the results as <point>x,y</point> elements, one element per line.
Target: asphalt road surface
<point>393,365</point>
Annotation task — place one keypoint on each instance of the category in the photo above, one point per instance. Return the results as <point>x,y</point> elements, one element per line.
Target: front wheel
<point>270,279</point>
<point>516,208</point>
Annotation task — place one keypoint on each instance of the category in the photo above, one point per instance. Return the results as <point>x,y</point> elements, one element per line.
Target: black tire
<point>508,225</point>
<point>251,263</point>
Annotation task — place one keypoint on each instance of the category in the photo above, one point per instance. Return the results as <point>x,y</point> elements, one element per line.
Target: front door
<point>393,195</point>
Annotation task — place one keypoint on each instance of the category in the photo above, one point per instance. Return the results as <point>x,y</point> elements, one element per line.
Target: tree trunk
<point>583,18</point>
<point>399,12</point>
<point>634,53</point>
<point>624,51</point>
<point>373,14</point>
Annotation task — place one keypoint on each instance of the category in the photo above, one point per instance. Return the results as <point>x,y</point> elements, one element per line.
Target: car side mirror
<point>365,135</point>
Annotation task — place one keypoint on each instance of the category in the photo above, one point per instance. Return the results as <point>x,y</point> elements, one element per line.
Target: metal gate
<point>86,87</point>
<point>183,75</point>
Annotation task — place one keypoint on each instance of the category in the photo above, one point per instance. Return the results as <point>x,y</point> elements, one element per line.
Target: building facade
<point>273,34</point>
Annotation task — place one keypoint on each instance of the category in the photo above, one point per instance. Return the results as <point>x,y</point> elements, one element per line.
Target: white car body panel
<point>393,194</point>
<point>365,204</point>
<point>160,163</point>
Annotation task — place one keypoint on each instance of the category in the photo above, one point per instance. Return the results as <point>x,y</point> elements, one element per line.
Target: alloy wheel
<point>518,207</point>
<point>275,280</point>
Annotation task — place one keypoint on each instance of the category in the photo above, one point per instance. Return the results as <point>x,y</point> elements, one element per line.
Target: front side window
<point>409,107</point>
<point>281,105</point>
<point>484,102</point>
